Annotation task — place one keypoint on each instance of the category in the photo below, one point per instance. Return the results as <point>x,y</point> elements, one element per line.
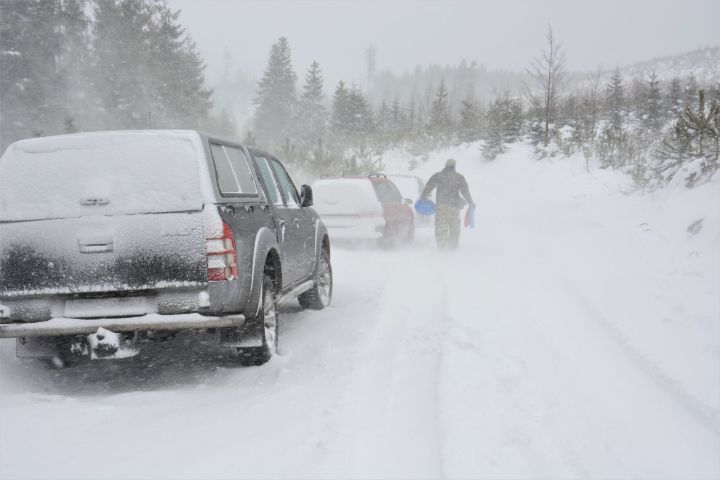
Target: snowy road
<point>504,359</point>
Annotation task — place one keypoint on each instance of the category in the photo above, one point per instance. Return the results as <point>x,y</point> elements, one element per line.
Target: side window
<point>225,176</point>
<point>268,180</point>
<point>387,192</point>
<point>233,171</point>
<point>242,170</point>
<point>286,185</point>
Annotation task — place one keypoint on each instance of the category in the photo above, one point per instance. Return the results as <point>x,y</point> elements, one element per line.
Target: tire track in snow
<point>494,365</point>
<point>389,418</point>
<point>706,415</point>
<point>437,400</point>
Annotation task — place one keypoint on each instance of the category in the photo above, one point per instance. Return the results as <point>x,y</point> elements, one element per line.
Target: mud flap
<point>249,335</point>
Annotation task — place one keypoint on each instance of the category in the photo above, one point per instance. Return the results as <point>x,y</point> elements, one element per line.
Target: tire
<point>320,295</point>
<point>268,317</point>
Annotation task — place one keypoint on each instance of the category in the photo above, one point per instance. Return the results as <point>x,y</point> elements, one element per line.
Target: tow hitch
<point>105,344</point>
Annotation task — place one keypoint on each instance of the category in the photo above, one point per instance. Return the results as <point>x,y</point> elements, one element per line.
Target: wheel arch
<point>273,267</point>
<point>266,250</point>
<point>322,242</point>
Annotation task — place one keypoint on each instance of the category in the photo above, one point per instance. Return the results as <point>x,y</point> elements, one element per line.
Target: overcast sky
<point>499,34</point>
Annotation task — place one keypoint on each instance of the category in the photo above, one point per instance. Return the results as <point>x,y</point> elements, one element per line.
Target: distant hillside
<point>704,63</point>
<point>475,79</point>
<point>462,80</point>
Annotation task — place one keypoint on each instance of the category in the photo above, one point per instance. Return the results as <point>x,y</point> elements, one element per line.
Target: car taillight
<point>222,257</point>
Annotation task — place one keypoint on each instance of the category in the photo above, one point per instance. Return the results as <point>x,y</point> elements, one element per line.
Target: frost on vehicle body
<point>142,225</point>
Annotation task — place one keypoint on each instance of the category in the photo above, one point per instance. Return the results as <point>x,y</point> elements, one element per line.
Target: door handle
<point>249,208</point>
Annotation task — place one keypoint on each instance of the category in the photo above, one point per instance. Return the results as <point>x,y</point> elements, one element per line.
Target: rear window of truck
<point>110,173</point>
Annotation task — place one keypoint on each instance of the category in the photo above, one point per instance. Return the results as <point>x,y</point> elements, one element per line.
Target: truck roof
<point>122,172</point>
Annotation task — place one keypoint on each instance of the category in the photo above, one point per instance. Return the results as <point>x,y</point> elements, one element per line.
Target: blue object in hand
<point>425,207</point>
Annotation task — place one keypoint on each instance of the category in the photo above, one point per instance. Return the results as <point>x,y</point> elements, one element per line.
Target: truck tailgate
<point>102,254</point>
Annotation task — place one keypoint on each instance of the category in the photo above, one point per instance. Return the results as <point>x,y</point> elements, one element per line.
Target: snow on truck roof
<point>104,173</point>
<point>80,141</point>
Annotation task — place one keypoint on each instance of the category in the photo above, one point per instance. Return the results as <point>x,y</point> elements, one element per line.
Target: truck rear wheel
<point>268,316</point>
<point>319,296</point>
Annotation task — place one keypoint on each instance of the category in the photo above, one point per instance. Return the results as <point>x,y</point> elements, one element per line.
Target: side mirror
<point>407,201</point>
<point>306,196</point>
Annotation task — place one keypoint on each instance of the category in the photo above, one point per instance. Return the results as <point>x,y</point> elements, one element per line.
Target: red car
<point>364,209</point>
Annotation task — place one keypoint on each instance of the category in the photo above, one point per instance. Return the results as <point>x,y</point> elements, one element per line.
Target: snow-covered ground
<point>574,334</point>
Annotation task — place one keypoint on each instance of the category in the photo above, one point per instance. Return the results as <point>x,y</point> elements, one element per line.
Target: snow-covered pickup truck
<point>110,238</point>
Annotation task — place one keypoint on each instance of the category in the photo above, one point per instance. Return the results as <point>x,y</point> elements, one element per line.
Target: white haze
<point>498,34</point>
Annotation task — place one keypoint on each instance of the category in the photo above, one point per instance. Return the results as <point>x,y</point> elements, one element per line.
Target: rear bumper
<point>153,321</point>
<point>108,303</point>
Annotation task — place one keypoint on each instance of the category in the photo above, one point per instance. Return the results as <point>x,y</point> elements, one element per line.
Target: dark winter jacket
<point>450,186</point>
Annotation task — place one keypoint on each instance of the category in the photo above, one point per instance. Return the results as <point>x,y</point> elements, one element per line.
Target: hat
<point>450,163</point>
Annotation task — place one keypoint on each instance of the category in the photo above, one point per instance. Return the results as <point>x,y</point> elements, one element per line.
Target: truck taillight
<point>222,257</point>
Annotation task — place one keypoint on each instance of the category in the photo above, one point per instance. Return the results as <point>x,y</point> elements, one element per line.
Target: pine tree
<point>180,96</point>
<point>469,128</point>
<point>340,120</point>
<point>384,125</point>
<point>635,95</point>
<point>504,124</point>
<point>615,101</point>
<point>65,69</point>
<point>312,116</point>
<point>494,136</point>
<point>674,98</point>
<point>440,123</point>
<point>701,127</point>
<point>670,155</point>
<point>412,117</point>
<point>690,91</point>
<point>29,75</point>
<point>122,62</point>
<point>652,111</point>
<point>352,120</point>
<point>276,101</point>
<point>465,79</point>
<point>74,64</point>
<point>399,122</point>
<point>359,115</point>
<point>156,78</point>
<point>612,146</point>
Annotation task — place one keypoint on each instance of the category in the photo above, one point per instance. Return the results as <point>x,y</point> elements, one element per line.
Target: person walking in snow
<point>452,195</point>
